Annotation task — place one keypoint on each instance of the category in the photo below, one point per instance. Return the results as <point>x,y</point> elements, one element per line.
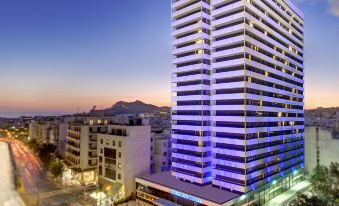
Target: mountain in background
<point>136,107</point>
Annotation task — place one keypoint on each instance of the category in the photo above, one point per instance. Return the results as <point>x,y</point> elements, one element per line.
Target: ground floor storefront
<point>73,177</point>
<point>263,195</point>
<point>156,190</point>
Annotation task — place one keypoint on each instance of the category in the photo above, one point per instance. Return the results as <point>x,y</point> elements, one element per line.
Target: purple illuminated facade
<point>237,92</point>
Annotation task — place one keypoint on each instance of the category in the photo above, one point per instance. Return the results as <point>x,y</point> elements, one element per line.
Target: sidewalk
<point>283,198</point>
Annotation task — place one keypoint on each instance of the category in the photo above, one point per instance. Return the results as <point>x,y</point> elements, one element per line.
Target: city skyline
<point>67,55</point>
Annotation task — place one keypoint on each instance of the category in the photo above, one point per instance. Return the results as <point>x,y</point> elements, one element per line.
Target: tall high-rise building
<point>237,92</point>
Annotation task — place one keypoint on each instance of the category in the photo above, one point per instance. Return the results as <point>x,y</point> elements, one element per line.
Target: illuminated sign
<point>186,196</point>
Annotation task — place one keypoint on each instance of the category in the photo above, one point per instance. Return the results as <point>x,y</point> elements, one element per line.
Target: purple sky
<point>60,55</point>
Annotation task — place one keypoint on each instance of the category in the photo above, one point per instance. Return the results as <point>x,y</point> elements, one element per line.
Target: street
<point>36,190</point>
<point>30,168</point>
<point>8,194</point>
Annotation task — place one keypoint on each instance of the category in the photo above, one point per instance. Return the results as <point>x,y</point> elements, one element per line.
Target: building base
<point>163,189</point>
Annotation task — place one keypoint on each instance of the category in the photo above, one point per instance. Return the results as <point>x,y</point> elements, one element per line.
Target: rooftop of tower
<point>294,8</point>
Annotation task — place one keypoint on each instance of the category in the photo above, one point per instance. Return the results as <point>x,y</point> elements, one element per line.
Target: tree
<point>46,154</point>
<point>304,200</point>
<point>56,168</point>
<point>325,183</point>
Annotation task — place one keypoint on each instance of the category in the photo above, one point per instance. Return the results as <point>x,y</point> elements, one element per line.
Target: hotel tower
<point>237,92</point>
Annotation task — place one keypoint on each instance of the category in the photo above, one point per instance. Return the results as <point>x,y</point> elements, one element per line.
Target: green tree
<point>304,200</point>
<point>325,183</point>
<point>46,154</point>
<point>56,168</point>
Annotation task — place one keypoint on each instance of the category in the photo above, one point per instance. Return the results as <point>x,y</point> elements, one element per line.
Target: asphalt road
<point>38,190</point>
<point>8,193</point>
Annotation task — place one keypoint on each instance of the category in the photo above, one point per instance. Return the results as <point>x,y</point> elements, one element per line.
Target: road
<point>37,189</point>
<point>8,193</point>
<point>31,169</point>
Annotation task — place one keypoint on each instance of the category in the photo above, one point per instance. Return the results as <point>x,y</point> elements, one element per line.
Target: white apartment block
<point>237,92</point>
<point>81,156</point>
<point>124,154</point>
<point>44,131</point>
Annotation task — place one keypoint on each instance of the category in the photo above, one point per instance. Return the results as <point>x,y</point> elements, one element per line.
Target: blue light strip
<point>186,196</point>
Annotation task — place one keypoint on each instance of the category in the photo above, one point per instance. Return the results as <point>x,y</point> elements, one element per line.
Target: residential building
<point>81,156</point>
<point>124,154</point>
<point>321,147</point>
<point>62,140</point>
<point>161,151</point>
<point>44,131</point>
<point>237,92</point>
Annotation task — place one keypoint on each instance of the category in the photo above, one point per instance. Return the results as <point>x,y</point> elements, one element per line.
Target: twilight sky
<point>60,55</point>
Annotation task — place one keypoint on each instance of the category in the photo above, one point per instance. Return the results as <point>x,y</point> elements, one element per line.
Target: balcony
<point>93,139</point>
<point>73,154</point>
<point>73,138</point>
<point>73,146</point>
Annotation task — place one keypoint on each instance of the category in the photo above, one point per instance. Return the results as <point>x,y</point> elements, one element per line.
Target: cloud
<point>334,4</point>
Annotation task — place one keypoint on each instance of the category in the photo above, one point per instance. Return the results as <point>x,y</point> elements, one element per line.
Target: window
<point>102,141</point>
<point>100,170</point>
<point>119,176</point>
<point>119,165</point>
<point>119,154</point>
<point>107,142</point>
<point>120,144</point>
<point>113,142</point>
<point>110,174</point>
<point>101,151</point>
<point>111,153</point>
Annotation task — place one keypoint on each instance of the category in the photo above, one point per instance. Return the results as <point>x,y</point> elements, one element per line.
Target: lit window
<point>199,41</point>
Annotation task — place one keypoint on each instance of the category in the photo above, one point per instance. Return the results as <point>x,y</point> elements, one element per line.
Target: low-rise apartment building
<point>124,154</point>
<point>161,151</point>
<point>44,131</point>
<point>81,156</point>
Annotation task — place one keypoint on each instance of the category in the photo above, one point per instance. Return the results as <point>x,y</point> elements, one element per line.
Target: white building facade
<point>81,157</point>
<point>124,154</point>
<point>237,92</point>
